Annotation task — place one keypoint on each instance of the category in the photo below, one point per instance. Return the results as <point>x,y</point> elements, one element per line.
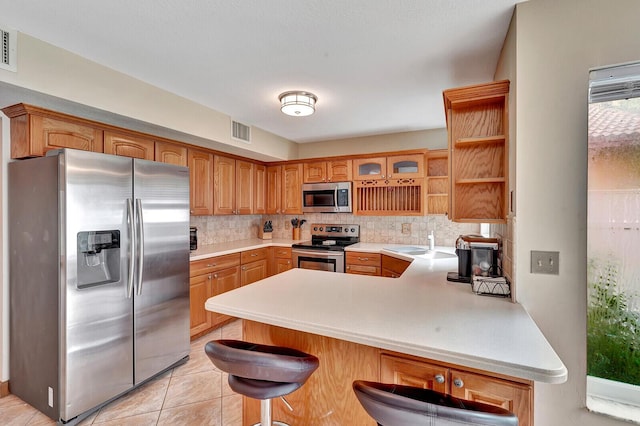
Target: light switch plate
<point>545,262</point>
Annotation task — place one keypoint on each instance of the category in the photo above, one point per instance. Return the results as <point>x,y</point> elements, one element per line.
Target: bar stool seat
<point>260,371</point>
<point>397,405</point>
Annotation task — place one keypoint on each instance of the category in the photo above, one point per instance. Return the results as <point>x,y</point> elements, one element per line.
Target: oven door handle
<point>317,253</point>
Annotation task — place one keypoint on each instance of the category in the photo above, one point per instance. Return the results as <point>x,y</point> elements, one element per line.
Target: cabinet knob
<point>382,176</point>
<point>288,262</point>
<point>439,378</point>
<point>209,277</point>
<point>244,268</point>
<point>215,276</point>
<point>458,383</point>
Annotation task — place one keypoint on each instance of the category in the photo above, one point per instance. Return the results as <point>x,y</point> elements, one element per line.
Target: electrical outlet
<point>406,228</point>
<point>545,262</point>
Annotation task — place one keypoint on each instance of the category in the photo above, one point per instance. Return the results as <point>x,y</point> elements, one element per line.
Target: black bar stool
<point>397,405</point>
<point>261,371</point>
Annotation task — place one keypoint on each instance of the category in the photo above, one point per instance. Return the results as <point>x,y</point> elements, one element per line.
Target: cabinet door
<point>274,190</point>
<point>339,171</point>
<point>369,168</point>
<point>292,189</point>
<point>260,189</point>
<point>254,271</point>
<point>244,187</point>
<point>129,146</point>
<point>200,289</point>
<point>407,372</point>
<point>515,397</point>
<point>282,265</point>
<point>171,153</point>
<point>223,281</point>
<point>224,185</point>
<point>315,172</point>
<point>201,182</point>
<point>33,136</point>
<point>405,166</point>
<point>393,267</point>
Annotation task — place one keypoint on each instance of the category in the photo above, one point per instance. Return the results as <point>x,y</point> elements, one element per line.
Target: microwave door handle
<point>335,199</point>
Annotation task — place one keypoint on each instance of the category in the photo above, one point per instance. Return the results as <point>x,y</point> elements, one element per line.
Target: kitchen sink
<point>421,252</point>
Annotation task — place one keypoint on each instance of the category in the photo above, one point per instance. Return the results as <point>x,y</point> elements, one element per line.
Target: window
<point>613,238</point>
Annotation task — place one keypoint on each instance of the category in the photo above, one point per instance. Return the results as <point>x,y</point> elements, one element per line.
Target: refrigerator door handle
<point>132,236</point>
<point>140,220</point>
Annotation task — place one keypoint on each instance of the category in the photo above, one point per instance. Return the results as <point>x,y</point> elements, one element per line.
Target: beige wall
<point>430,139</point>
<point>557,43</point>
<point>47,69</point>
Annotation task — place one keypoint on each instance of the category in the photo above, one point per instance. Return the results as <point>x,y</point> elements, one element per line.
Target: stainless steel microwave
<point>333,197</point>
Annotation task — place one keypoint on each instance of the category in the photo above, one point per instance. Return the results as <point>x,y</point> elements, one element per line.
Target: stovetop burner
<point>331,237</point>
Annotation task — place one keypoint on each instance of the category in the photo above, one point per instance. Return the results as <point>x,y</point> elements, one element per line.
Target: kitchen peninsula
<point>364,327</point>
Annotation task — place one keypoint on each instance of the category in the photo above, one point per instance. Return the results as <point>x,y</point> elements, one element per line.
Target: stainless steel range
<point>325,251</point>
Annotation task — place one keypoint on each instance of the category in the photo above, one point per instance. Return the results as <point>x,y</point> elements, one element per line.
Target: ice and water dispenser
<point>98,257</point>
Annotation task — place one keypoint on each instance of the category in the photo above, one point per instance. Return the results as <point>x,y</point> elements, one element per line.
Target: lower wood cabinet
<point>515,395</point>
<point>254,265</point>
<point>362,263</point>
<point>392,267</point>
<point>208,278</point>
<point>280,260</point>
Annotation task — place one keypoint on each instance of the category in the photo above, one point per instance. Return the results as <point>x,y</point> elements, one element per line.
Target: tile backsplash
<point>373,229</point>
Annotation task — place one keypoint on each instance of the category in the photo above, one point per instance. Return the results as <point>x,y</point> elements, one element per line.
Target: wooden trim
<point>4,389</point>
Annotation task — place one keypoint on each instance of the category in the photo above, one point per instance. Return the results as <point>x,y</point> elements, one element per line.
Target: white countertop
<point>207,251</point>
<point>420,313</point>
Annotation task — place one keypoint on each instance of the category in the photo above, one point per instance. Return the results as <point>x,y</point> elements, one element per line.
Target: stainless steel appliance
<point>330,197</point>
<point>325,251</point>
<point>99,282</point>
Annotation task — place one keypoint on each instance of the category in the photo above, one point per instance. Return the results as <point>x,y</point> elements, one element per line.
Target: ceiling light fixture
<point>297,103</point>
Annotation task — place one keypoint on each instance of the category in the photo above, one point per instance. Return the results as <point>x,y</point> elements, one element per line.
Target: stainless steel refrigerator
<point>99,277</point>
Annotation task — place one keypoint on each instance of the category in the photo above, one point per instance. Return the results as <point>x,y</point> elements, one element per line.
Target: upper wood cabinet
<point>128,146</point>
<point>200,181</point>
<point>171,153</point>
<point>274,189</point>
<point>233,186</point>
<point>478,134</point>
<point>292,188</point>
<point>34,131</point>
<point>260,189</point>
<point>392,167</point>
<point>328,171</point>
<point>437,181</point>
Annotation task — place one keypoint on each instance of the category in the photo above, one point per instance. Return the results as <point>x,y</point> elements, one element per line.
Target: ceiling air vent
<point>9,39</point>
<point>240,131</point>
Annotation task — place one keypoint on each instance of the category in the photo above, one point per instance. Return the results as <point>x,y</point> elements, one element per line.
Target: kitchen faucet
<point>432,241</point>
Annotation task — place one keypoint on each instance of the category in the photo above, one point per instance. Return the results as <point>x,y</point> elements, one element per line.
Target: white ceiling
<point>377,66</point>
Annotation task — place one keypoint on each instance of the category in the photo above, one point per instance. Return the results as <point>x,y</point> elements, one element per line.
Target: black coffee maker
<point>477,255</point>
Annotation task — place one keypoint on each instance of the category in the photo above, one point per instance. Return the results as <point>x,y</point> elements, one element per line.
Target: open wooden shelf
<point>478,129</point>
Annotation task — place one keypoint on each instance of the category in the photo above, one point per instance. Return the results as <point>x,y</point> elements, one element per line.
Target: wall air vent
<point>240,131</point>
<point>9,40</point>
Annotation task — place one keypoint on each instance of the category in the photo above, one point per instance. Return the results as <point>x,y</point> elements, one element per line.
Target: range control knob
<point>315,228</point>
<point>321,228</point>
<point>353,229</point>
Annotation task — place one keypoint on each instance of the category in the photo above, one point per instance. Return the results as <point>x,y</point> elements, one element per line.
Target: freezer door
<point>96,313</point>
<point>161,193</point>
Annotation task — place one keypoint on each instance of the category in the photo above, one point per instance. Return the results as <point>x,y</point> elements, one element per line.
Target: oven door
<point>319,260</point>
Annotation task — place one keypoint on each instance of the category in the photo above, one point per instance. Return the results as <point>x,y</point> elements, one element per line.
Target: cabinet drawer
<point>213,264</point>
<point>282,252</point>
<point>253,255</point>
<point>365,259</point>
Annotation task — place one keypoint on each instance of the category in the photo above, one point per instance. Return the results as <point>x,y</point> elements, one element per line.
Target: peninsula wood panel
<point>327,398</point>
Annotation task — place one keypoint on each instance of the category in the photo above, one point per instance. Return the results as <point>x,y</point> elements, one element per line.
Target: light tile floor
<point>195,393</point>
